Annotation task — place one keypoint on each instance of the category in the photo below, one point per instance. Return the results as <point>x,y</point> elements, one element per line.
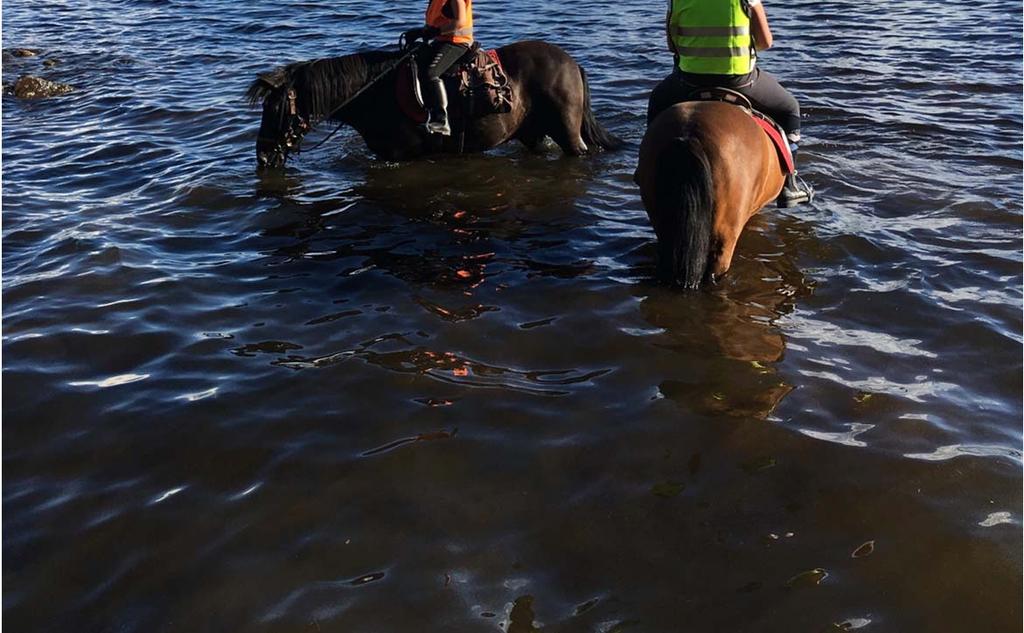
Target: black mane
<point>324,84</point>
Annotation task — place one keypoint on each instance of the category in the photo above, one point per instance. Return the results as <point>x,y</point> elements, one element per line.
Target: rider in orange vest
<point>449,24</point>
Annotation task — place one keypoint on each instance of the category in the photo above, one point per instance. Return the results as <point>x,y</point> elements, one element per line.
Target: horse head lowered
<point>298,96</point>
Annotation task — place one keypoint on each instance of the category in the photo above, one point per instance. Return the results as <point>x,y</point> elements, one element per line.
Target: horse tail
<point>685,207</point>
<point>593,133</point>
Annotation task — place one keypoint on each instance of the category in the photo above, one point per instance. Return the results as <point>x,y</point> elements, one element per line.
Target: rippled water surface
<point>447,395</point>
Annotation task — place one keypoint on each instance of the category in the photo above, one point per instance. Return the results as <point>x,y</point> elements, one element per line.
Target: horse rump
<point>685,212</point>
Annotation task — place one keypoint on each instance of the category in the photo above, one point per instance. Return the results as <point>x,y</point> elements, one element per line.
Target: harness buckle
<point>292,109</point>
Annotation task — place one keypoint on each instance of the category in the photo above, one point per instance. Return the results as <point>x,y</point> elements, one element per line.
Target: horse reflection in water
<point>516,181</point>
<point>470,199</point>
<point>728,337</point>
<point>448,243</point>
<point>730,370</point>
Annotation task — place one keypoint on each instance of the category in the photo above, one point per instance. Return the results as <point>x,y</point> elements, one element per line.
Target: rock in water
<point>30,87</point>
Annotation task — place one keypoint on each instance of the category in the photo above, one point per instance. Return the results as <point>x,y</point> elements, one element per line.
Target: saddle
<point>770,127</point>
<point>477,85</point>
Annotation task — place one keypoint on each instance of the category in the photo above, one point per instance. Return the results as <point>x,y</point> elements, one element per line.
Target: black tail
<point>593,133</point>
<point>685,207</point>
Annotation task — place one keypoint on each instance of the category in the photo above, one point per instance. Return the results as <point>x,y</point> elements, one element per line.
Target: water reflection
<point>730,353</point>
<point>270,371</point>
<point>482,185</point>
<point>466,204</point>
<point>728,337</point>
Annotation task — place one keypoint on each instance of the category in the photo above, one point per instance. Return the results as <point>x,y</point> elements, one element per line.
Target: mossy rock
<point>31,87</point>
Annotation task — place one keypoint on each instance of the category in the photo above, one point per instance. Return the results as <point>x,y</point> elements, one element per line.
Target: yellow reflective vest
<point>712,37</point>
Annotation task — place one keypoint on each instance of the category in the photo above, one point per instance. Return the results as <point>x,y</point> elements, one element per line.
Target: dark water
<point>447,396</point>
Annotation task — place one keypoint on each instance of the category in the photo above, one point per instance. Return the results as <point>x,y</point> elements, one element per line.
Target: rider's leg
<point>770,97</point>
<point>669,91</point>
<point>445,54</point>
<point>666,94</point>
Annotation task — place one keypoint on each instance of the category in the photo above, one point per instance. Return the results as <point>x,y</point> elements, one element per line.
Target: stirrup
<point>794,191</point>
<point>438,127</point>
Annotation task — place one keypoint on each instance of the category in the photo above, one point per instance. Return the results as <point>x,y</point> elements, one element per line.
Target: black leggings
<point>445,54</point>
<point>761,87</point>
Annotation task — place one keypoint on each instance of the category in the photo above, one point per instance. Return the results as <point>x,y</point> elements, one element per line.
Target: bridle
<point>296,127</point>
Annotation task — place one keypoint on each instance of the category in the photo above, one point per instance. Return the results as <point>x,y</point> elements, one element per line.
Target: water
<point>448,396</point>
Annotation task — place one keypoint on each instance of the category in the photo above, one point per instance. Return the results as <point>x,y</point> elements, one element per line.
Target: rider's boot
<point>794,191</point>
<point>438,113</point>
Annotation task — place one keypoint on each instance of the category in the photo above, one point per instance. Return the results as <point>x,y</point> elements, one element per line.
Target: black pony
<point>551,98</point>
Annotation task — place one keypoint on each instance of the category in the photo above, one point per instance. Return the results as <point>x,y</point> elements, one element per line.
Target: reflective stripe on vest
<point>450,30</point>
<point>693,51</point>
<point>712,37</point>
<point>711,31</point>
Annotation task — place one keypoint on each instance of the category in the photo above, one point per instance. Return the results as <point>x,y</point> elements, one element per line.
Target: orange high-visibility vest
<point>450,31</point>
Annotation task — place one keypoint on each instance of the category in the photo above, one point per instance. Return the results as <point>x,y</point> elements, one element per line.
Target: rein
<point>366,87</point>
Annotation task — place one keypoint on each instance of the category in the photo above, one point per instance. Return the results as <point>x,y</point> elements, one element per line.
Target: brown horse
<point>705,168</point>
<point>551,98</point>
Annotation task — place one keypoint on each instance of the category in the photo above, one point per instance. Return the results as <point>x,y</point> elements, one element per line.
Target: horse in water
<point>551,97</point>
<point>705,168</point>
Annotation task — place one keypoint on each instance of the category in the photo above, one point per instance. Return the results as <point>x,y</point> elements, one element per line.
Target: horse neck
<point>336,87</point>
<point>375,116</point>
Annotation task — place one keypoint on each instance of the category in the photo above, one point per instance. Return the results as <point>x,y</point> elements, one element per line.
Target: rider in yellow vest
<point>715,43</point>
<point>449,25</point>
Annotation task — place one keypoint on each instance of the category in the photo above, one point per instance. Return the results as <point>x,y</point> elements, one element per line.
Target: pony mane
<point>324,84</point>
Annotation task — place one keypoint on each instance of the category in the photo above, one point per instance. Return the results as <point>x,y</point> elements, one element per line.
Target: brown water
<point>448,396</point>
